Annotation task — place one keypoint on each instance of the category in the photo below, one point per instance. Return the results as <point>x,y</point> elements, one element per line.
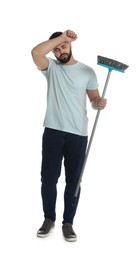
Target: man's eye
<point>64,46</point>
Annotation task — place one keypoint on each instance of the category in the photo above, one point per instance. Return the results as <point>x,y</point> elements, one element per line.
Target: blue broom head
<point>111,64</point>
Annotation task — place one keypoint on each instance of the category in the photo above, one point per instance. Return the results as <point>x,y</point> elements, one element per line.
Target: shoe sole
<point>45,235</point>
<point>71,239</point>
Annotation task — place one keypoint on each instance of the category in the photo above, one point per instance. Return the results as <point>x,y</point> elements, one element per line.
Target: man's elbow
<point>34,53</point>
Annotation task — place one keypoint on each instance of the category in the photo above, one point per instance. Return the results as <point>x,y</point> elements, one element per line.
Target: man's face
<point>63,52</point>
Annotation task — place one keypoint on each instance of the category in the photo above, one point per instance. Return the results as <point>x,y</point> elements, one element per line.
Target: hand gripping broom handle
<point>91,137</point>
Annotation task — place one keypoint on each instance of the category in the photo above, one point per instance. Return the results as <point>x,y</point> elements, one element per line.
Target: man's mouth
<point>64,55</point>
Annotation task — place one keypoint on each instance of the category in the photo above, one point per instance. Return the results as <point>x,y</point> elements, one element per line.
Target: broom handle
<point>91,137</point>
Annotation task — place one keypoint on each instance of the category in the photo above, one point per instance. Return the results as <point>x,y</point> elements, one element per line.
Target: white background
<point>107,221</point>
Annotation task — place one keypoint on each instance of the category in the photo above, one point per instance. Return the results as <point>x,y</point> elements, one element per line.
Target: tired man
<point>65,125</point>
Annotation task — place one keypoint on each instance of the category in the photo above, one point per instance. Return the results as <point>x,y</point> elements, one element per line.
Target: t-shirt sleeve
<point>93,82</point>
<point>46,71</point>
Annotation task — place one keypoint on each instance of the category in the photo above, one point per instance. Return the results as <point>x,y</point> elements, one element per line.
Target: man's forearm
<point>47,46</point>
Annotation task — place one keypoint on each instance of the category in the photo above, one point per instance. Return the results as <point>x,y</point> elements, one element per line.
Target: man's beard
<point>65,57</point>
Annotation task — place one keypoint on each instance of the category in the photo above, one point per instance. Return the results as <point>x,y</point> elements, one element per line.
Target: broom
<point>110,64</point>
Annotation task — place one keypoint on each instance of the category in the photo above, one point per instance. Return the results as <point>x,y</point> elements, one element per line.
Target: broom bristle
<point>111,63</point>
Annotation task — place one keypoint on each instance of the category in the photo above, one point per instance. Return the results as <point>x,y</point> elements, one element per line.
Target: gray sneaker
<point>68,232</point>
<point>46,228</point>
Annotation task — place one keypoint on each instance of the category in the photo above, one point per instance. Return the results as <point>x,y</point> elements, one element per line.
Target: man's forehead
<point>64,43</point>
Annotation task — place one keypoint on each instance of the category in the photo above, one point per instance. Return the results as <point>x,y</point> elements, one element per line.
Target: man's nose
<point>61,51</point>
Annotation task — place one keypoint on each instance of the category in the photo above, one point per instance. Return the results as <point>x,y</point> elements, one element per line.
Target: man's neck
<point>72,61</point>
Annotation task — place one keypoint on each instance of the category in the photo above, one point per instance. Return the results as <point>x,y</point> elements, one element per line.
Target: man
<point>65,134</point>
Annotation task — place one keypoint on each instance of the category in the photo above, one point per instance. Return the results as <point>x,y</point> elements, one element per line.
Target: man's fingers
<point>71,34</point>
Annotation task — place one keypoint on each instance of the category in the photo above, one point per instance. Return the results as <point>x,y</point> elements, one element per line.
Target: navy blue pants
<point>57,145</point>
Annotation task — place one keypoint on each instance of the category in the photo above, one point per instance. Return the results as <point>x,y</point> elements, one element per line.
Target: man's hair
<point>55,34</point>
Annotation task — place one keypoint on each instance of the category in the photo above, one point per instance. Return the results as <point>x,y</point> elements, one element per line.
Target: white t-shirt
<point>66,96</point>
